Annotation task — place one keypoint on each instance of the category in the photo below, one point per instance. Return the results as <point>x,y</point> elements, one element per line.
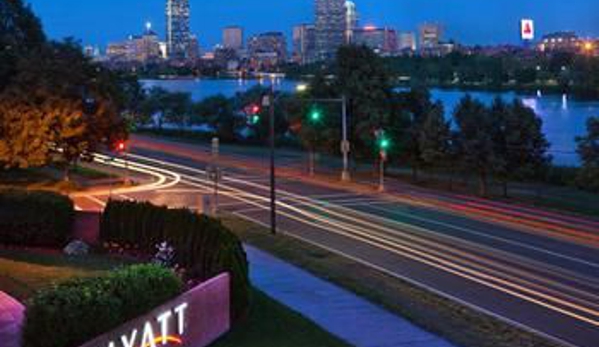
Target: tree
<point>217,111</point>
<point>520,144</point>
<point>55,104</point>
<point>417,102</point>
<point>25,133</point>
<point>363,78</point>
<point>434,141</point>
<point>588,150</point>
<point>475,140</point>
<point>20,33</point>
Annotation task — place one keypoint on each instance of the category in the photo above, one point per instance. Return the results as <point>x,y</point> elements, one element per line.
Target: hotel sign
<point>195,319</point>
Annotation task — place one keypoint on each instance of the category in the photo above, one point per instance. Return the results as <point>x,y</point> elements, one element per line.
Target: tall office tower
<point>406,42</point>
<point>330,27</point>
<point>430,36</point>
<point>233,38</point>
<point>268,49</point>
<point>381,40</point>
<point>304,43</point>
<point>351,20</point>
<point>178,35</point>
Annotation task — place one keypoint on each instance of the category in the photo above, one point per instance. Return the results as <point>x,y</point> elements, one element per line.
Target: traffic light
<point>383,142</point>
<point>315,115</point>
<point>252,113</point>
<point>121,146</point>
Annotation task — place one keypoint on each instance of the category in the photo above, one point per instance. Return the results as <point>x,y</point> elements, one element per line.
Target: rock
<point>76,248</point>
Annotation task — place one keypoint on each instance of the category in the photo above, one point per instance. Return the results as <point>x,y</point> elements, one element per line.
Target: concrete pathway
<point>12,314</point>
<point>336,310</point>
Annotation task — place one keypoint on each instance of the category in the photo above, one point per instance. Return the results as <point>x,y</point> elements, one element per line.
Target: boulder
<point>76,248</point>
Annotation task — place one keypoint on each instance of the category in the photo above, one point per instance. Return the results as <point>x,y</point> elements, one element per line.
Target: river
<point>563,117</point>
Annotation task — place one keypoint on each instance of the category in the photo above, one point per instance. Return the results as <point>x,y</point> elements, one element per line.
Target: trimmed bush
<point>203,246</point>
<point>74,312</point>
<point>35,218</point>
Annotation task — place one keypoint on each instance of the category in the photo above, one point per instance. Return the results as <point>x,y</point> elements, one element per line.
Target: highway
<point>536,269</point>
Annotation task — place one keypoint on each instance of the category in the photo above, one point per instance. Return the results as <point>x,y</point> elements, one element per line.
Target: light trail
<point>359,226</point>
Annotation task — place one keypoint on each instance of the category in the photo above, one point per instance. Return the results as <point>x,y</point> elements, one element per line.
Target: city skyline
<point>88,21</point>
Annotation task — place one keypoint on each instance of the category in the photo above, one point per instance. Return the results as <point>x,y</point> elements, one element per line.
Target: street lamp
<point>268,101</point>
<point>345,144</point>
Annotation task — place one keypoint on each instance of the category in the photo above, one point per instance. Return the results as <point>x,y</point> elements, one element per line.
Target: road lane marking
<point>456,269</point>
<point>484,279</point>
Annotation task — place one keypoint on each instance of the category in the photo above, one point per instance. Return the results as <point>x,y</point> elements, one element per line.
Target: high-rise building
<point>406,42</point>
<point>304,43</point>
<point>141,49</point>
<point>330,27</point>
<point>267,50</point>
<point>351,20</point>
<point>233,38</point>
<point>178,34</point>
<point>382,40</point>
<point>430,36</point>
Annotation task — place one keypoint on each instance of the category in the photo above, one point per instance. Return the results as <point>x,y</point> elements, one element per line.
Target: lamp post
<point>269,101</point>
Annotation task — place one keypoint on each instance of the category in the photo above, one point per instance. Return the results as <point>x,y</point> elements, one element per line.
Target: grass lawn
<point>22,273</point>
<point>457,323</point>
<point>271,324</point>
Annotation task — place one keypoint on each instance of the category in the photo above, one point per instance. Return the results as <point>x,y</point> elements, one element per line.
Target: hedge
<point>74,312</point>
<point>35,218</point>
<point>203,246</point>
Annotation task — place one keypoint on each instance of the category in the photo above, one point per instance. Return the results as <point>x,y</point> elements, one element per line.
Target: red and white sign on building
<point>527,29</point>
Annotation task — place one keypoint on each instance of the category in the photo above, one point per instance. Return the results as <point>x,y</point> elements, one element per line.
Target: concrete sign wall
<point>195,319</point>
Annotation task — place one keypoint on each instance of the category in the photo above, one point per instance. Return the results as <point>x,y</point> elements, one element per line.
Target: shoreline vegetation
<point>501,141</point>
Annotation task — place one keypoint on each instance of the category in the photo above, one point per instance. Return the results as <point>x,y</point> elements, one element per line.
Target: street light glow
<point>301,87</point>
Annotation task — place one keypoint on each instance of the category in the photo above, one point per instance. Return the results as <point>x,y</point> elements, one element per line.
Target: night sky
<point>468,21</point>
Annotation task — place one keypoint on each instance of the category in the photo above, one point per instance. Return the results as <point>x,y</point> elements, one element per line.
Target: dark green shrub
<point>77,311</point>
<point>203,246</point>
<point>35,218</point>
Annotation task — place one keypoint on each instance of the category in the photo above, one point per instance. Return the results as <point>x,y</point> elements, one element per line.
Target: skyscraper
<point>304,43</point>
<point>178,35</point>
<point>382,40</point>
<point>233,38</point>
<point>351,20</point>
<point>330,27</point>
<point>430,36</point>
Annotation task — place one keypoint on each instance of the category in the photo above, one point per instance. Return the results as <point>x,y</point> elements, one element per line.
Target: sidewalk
<point>338,311</point>
<point>12,314</point>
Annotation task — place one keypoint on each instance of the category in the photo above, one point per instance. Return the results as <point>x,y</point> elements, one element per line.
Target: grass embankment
<point>269,324</point>
<point>455,322</point>
<point>22,273</point>
<point>51,178</point>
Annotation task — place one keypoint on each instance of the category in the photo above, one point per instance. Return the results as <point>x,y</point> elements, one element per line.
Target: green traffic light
<point>385,144</point>
<point>255,119</point>
<point>315,116</point>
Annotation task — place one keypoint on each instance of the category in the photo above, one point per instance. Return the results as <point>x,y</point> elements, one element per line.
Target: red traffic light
<point>252,109</point>
<point>121,146</point>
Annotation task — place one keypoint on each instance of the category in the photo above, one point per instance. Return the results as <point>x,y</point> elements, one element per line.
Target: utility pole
<point>216,172</point>
<point>269,101</point>
<point>345,145</point>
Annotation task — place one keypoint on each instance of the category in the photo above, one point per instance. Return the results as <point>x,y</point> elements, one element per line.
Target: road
<point>536,269</point>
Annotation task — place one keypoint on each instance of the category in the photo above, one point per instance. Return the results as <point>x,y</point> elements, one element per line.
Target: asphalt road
<point>536,269</point>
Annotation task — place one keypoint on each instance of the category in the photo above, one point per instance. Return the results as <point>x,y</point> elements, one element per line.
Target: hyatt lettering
<point>146,336</point>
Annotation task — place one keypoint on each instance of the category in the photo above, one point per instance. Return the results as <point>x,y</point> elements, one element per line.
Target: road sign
<point>215,147</point>
<point>345,147</point>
